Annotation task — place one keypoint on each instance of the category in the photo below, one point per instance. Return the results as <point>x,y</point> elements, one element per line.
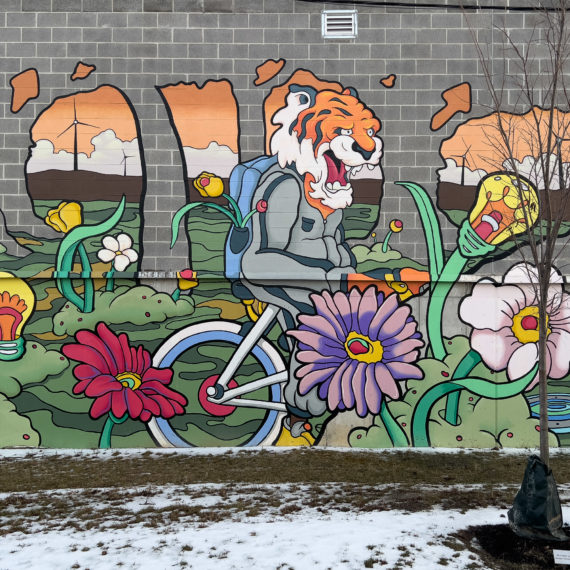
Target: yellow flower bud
<point>65,217</point>
<point>186,279</point>
<point>396,226</point>
<point>209,185</point>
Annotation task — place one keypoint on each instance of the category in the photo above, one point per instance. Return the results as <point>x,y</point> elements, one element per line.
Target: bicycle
<point>224,416</point>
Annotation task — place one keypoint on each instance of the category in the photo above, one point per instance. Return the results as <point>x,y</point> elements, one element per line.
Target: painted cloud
<point>111,156</point>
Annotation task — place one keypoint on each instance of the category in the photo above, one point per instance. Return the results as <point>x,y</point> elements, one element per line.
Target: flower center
<point>525,325</point>
<point>361,348</point>
<point>118,253</point>
<point>129,380</point>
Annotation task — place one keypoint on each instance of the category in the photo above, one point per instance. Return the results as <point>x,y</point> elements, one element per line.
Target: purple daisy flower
<point>357,349</point>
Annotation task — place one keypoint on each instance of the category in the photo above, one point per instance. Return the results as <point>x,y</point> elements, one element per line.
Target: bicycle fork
<point>219,393</point>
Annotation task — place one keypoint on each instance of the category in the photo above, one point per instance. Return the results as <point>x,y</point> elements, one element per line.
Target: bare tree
<point>529,115</point>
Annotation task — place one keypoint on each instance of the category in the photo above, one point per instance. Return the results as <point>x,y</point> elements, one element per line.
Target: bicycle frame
<point>221,394</point>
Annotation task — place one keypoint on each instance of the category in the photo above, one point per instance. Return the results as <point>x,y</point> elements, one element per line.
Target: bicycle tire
<point>203,336</point>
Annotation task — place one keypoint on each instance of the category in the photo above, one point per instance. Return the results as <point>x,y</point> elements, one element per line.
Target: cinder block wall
<point>138,44</point>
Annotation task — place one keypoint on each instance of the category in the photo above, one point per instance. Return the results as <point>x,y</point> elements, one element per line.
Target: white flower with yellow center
<point>118,251</point>
<point>505,321</point>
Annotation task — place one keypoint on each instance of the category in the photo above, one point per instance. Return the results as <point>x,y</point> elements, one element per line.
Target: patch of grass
<point>253,483</point>
<point>35,473</point>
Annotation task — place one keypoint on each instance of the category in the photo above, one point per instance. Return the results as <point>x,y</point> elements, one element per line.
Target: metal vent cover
<point>339,23</point>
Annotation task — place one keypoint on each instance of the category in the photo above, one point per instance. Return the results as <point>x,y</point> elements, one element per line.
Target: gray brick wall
<point>137,44</point>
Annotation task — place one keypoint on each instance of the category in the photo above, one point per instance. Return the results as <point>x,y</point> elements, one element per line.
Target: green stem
<point>469,245</point>
<point>386,240</point>
<point>247,218</point>
<point>468,362</point>
<point>224,211</point>
<point>185,209</point>
<point>235,207</point>
<point>71,244</point>
<point>88,287</point>
<point>110,285</point>
<point>478,386</point>
<point>452,408</point>
<point>449,275</point>
<point>176,294</point>
<point>105,439</point>
<point>395,432</point>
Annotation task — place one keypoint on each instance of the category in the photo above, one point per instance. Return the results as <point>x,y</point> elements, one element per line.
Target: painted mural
<point>295,308</point>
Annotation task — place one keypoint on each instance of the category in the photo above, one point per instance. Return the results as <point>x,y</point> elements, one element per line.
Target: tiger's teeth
<point>329,186</point>
<point>356,170</point>
<point>337,185</point>
<point>370,166</point>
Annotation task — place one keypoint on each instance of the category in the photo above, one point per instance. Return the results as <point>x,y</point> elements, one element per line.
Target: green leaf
<point>66,254</point>
<point>71,241</point>
<point>185,209</point>
<point>431,227</point>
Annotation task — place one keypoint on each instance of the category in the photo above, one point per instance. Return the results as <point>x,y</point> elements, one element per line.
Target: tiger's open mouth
<point>337,173</point>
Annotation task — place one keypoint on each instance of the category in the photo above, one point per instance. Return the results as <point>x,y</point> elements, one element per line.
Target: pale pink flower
<point>504,318</point>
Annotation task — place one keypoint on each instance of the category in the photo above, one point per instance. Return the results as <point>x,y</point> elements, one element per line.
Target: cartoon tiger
<point>297,244</point>
<point>329,137</point>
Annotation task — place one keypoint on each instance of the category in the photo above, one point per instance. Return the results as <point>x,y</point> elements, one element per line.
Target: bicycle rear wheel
<point>198,355</point>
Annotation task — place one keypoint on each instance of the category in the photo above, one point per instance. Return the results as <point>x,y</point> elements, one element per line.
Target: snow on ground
<point>337,540</point>
<point>35,453</point>
<point>304,538</point>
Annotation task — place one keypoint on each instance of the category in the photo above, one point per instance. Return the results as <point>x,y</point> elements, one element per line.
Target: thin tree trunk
<point>544,274</point>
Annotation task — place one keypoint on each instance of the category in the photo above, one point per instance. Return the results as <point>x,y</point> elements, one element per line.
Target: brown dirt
<point>64,185</point>
<point>501,549</point>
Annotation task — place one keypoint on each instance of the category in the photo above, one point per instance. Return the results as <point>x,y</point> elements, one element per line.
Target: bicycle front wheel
<point>198,355</point>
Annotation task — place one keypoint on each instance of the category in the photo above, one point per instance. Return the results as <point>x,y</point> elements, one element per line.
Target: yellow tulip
<point>65,217</point>
<point>187,279</point>
<point>209,185</point>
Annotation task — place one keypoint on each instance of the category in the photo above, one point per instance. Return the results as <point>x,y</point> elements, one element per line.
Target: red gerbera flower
<point>121,378</point>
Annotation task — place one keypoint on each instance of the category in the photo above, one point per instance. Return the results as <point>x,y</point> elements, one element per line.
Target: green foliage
<point>34,367</point>
<point>482,422</point>
<point>137,305</point>
<point>374,254</point>
<point>16,429</point>
<point>359,220</point>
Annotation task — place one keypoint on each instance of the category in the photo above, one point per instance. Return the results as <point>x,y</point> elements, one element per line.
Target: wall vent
<point>339,23</point>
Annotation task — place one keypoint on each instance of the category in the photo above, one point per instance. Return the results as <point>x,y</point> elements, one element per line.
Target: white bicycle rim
<point>164,439</point>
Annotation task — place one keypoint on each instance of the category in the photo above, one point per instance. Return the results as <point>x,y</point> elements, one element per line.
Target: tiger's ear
<point>301,97</point>
<point>350,91</point>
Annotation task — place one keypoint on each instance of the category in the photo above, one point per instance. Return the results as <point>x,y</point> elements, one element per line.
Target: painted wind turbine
<point>74,126</point>
<point>124,161</point>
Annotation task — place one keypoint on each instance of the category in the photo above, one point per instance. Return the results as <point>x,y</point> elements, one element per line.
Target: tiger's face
<point>333,137</point>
